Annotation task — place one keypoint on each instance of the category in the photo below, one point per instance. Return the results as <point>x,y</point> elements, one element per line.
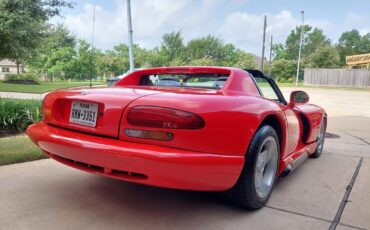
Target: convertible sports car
<point>197,128</point>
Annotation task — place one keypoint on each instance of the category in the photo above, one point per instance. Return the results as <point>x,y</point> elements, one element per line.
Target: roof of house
<point>6,62</point>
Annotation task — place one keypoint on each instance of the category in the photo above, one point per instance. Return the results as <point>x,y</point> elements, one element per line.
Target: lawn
<point>16,149</point>
<point>43,87</point>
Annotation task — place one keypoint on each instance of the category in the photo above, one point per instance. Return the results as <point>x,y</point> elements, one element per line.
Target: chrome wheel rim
<point>265,168</point>
<point>321,138</point>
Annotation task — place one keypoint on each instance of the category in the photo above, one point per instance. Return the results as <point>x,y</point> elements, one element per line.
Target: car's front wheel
<point>259,173</point>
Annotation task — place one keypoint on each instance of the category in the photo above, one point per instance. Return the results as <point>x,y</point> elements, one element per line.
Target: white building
<point>8,67</point>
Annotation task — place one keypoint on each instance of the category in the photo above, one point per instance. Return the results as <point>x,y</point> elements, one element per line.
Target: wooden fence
<point>337,77</point>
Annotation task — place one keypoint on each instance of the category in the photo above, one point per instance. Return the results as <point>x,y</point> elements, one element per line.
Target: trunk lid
<point>111,102</point>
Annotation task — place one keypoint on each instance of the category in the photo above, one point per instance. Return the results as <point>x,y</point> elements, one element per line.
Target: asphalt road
<point>46,195</point>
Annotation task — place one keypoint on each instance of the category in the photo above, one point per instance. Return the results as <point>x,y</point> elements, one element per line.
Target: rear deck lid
<point>95,111</point>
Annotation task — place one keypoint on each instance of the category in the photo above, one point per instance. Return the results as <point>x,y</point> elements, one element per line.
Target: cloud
<point>356,21</point>
<point>152,18</point>
<point>246,31</point>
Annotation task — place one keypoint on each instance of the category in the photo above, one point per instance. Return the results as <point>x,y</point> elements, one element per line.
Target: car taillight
<point>45,110</point>
<point>167,118</point>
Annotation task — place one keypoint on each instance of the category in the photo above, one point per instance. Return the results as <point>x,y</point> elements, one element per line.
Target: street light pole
<point>130,31</point>
<point>300,49</point>
<point>263,43</point>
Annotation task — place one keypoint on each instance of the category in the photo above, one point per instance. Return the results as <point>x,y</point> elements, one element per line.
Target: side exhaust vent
<point>295,164</point>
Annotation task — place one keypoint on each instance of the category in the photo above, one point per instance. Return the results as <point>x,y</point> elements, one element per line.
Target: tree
<point>61,62</point>
<point>85,63</point>
<point>278,51</point>
<point>172,46</point>
<point>118,59</point>
<point>245,60</point>
<point>205,61</point>
<point>324,57</point>
<point>351,43</point>
<point>56,38</point>
<point>206,48</point>
<point>284,70</point>
<point>156,59</point>
<point>22,23</point>
<point>312,39</point>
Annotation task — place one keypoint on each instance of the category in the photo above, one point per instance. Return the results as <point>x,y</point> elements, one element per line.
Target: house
<point>8,67</point>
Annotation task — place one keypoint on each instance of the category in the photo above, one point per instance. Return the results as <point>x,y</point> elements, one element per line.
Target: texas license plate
<point>84,113</point>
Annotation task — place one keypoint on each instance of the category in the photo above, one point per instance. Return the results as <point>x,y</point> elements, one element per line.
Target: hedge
<point>24,78</point>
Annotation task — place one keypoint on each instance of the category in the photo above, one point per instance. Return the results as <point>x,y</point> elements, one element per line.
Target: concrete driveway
<point>332,191</point>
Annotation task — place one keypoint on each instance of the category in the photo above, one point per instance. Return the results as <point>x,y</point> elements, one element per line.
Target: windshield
<point>203,80</point>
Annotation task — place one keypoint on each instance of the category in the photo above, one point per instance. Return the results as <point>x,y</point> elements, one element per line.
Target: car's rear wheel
<point>320,140</point>
<point>259,173</point>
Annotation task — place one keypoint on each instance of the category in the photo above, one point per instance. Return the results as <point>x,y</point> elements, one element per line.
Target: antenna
<point>92,48</point>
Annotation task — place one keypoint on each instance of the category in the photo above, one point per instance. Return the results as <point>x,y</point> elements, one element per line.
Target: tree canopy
<point>351,43</point>
<point>27,37</point>
<point>317,50</point>
<point>62,54</point>
<point>23,24</point>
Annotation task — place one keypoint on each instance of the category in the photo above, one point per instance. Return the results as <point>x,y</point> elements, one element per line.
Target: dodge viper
<point>198,128</point>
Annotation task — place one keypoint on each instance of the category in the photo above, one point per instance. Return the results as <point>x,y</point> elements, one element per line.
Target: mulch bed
<point>24,81</point>
<point>8,133</point>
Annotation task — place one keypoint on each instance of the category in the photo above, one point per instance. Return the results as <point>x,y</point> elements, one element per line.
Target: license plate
<point>84,113</point>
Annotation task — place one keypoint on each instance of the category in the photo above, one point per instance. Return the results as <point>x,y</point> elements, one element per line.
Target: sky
<point>239,22</point>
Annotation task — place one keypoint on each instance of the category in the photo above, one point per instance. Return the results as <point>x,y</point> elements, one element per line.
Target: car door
<point>269,90</point>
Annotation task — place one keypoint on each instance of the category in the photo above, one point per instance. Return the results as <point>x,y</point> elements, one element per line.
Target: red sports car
<point>197,128</point>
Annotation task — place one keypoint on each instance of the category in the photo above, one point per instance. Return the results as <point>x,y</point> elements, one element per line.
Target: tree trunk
<point>17,62</point>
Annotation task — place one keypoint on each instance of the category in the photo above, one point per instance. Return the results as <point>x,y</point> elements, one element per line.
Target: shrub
<point>25,78</point>
<point>290,80</point>
<point>283,69</point>
<point>17,115</point>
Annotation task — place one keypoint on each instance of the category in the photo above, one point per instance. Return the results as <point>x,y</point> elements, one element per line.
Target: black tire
<point>244,192</point>
<point>320,140</point>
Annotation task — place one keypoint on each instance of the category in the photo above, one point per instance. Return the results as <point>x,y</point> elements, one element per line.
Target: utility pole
<point>270,55</point>
<point>300,49</point>
<point>130,31</point>
<point>92,49</point>
<point>263,43</point>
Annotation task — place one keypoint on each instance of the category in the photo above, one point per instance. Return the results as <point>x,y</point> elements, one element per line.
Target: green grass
<point>287,84</point>
<point>17,149</point>
<point>17,114</point>
<point>43,87</point>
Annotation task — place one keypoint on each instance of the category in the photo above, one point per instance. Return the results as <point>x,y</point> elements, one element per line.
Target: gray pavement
<point>35,96</point>
<point>46,195</point>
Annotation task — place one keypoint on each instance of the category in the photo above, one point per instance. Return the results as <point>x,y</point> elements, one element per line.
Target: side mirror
<point>298,97</point>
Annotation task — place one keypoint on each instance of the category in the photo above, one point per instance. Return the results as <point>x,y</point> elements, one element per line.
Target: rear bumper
<point>140,163</point>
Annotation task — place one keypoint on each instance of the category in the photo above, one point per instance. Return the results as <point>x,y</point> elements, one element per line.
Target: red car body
<point>208,158</point>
